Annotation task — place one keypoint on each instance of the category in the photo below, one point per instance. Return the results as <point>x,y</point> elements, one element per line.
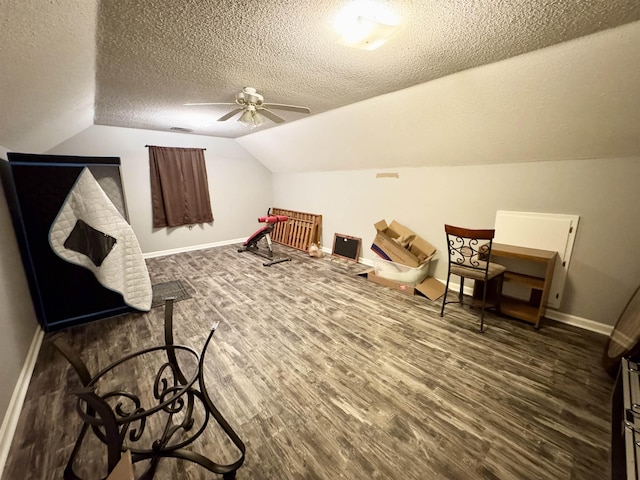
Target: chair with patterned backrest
<point>470,257</point>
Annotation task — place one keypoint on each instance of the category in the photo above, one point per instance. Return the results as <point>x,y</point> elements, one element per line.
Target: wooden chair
<point>469,257</point>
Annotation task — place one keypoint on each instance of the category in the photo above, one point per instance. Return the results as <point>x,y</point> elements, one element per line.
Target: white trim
<point>10,421</point>
<point>162,253</point>
<point>580,322</point>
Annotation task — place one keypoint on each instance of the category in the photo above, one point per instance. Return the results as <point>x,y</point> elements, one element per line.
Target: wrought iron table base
<point>176,395</point>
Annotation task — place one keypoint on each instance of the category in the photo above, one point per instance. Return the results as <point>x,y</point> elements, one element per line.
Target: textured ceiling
<point>47,71</point>
<point>153,56</point>
<point>66,64</point>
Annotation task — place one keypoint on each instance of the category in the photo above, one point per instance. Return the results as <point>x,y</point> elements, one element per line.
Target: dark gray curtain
<point>179,187</point>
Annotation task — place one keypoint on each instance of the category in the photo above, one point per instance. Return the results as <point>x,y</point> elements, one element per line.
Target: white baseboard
<point>10,421</point>
<point>580,322</point>
<point>162,253</point>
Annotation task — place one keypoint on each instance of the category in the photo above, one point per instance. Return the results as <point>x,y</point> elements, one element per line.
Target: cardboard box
<point>404,269</point>
<point>430,287</point>
<point>124,469</point>
<point>384,245</point>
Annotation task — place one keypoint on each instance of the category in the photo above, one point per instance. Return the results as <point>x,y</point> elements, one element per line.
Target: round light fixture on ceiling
<point>366,24</point>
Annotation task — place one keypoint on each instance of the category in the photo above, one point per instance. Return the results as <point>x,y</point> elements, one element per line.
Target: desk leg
<point>494,292</point>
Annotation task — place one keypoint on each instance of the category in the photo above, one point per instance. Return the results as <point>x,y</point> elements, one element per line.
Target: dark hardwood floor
<point>325,375</point>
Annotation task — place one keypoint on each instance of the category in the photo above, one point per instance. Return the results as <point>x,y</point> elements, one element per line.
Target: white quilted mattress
<point>123,269</point>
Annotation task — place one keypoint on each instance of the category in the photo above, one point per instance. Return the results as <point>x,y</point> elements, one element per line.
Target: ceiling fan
<point>253,108</point>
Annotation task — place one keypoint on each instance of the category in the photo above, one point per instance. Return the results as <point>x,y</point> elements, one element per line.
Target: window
<point>179,186</point>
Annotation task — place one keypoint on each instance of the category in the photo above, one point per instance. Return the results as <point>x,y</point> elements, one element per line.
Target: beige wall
<point>17,318</point>
<point>239,186</point>
<point>604,269</point>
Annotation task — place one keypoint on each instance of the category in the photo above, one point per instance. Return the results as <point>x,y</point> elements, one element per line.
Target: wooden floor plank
<point>325,375</point>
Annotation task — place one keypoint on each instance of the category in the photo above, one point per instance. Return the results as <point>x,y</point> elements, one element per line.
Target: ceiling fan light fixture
<point>249,96</point>
<point>251,118</point>
<point>252,109</point>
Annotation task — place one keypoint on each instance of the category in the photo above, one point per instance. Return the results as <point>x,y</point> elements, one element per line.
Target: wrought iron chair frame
<point>469,255</point>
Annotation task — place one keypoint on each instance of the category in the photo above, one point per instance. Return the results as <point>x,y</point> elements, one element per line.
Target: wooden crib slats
<point>300,231</point>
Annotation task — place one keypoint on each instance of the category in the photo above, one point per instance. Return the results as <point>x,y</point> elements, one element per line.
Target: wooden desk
<point>533,309</point>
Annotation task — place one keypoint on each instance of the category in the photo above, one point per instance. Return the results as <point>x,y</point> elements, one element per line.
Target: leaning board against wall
<point>544,231</point>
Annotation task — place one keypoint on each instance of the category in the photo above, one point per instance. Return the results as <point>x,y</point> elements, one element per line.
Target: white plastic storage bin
<point>399,272</point>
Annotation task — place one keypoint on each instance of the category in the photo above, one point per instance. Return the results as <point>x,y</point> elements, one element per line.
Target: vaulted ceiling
<point>127,63</point>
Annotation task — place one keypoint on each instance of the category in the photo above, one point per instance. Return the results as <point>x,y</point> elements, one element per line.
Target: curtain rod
<point>187,148</point>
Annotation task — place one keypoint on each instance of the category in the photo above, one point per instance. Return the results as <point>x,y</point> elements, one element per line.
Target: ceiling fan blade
<point>291,108</point>
<point>270,115</point>
<point>197,104</point>
<point>230,114</point>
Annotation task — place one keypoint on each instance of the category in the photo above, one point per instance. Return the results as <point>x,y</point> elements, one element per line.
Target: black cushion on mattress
<point>90,242</point>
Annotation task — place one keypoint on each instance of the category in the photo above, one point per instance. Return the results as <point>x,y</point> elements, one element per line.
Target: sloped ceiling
<point>155,55</point>
<point>47,71</point>
<point>573,101</point>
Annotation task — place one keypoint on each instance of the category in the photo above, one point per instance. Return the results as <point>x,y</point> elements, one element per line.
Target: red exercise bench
<point>251,243</point>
